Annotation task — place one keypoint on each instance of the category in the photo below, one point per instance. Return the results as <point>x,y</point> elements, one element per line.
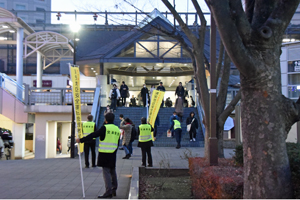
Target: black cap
<point>160,82</point>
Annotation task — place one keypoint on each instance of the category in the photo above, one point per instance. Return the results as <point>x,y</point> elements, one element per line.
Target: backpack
<point>114,94</point>
<point>133,134</point>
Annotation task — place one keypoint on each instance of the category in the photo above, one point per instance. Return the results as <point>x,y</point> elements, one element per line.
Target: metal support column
<point>213,141</point>
<point>39,70</point>
<point>19,70</point>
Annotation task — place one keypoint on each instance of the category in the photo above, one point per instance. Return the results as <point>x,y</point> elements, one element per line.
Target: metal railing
<point>56,96</point>
<point>11,86</point>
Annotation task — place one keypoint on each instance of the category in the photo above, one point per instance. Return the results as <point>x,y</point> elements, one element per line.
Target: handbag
<point>169,133</point>
<point>188,127</point>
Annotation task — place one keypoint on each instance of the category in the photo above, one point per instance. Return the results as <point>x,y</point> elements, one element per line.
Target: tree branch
<point>262,11</point>
<point>220,59</point>
<point>231,39</point>
<point>223,116</point>
<point>249,7</point>
<point>221,99</point>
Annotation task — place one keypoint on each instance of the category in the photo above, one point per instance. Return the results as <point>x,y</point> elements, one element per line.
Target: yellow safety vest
<point>88,127</point>
<point>111,140</point>
<point>145,133</point>
<point>176,124</point>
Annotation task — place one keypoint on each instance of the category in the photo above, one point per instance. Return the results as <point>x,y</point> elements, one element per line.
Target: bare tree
<point>252,38</point>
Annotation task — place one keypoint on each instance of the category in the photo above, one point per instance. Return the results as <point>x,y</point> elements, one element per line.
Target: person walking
<point>193,126</point>
<point>145,141</point>
<point>145,94</point>
<point>58,145</point>
<point>177,129</point>
<point>161,88</point>
<point>107,110</point>
<point>121,117</point>
<point>89,127</point>
<point>171,121</point>
<point>179,90</point>
<point>192,102</point>
<point>124,90</point>
<point>179,107</point>
<point>108,146</point>
<point>127,127</point>
<point>114,95</point>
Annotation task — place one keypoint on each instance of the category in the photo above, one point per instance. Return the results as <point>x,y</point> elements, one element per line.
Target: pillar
<point>51,133</point>
<point>39,70</point>
<point>19,70</point>
<point>18,133</point>
<point>65,132</point>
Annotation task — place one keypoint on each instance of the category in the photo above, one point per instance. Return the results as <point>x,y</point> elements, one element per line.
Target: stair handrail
<point>11,86</point>
<point>200,114</point>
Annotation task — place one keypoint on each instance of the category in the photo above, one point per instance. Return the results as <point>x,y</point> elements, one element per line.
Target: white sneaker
<point>191,140</point>
<point>194,139</point>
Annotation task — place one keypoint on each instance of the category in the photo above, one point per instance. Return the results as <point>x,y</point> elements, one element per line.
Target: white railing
<point>11,86</point>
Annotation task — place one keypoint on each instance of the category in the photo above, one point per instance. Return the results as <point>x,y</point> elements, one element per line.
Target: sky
<point>116,6</point>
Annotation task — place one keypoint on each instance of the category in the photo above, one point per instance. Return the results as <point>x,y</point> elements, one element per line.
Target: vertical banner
<point>75,77</point>
<point>156,100</point>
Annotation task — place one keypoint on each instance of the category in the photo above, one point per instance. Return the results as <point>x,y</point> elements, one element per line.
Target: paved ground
<point>59,178</point>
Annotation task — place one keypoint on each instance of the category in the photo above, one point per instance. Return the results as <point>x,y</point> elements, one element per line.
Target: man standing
<point>109,139</point>
<point>177,129</point>
<point>180,91</point>
<point>124,90</point>
<point>161,88</point>
<point>144,93</point>
<point>89,127</point>
<point>114,95</point>
<point>145,141</point>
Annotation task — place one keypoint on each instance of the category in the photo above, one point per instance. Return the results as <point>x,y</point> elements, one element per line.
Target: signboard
<point>296,66</point>
<point>45,83</point>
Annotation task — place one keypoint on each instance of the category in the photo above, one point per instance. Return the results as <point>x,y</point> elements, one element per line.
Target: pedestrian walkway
<point>59,178</point>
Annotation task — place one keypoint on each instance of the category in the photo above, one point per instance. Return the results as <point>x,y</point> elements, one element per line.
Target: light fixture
<point>3,38</point>
<point>77,39</point>
<point>131,77</point>
<point>12,31</point>
<point>172,83</point>
<point>92,68</point>
<point>153,77</point>
<point>175,77</point>
<point>129,64</point>
<point>94,71</point>
<point>75,27</point>
<point>185,64</point>
<point>4,26</point>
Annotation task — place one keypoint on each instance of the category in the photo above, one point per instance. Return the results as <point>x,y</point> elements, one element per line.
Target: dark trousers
<point>110,180</point>
<point>155,131</point>
<point>192,134</point>
<point>146,150</point>
<point>130,147</point>
<point>113,104</point>
<point>87,146</point>
<point>144,101</point>
<point>178,135</point>
<point>123,99</point>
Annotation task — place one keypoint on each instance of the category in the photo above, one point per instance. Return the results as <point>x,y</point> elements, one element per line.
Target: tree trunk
<point>265,125</point>
<point>220,140</point>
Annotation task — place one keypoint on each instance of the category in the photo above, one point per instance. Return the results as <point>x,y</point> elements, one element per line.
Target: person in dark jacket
<point>161,88</point>
<point>177,129</point>
<point>156,124</point>
<point>145,141</point>
<point>194,126</point>
<point>179,90</point>
<point>124,90</point>
<point>145,94</point>
<point>109,133</point>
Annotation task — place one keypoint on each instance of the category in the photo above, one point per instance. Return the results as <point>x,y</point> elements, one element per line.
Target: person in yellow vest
<point>87,128</point>
<point>108,146</point>
<point>177,129</point>
<point>145,141</point>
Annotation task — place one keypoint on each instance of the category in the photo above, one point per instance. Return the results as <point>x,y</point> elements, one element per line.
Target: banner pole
<point>147,105</point>
<point>77,134</point>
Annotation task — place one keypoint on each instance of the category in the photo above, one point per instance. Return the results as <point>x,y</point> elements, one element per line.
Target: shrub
<point>238,156</point>
<point>217,182</point>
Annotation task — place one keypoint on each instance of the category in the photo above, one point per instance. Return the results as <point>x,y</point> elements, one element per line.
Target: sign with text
<point>156,100</point>
<point>75,76</point>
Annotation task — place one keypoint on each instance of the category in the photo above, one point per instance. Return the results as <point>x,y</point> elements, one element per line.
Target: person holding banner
<point>177,129</point>
<point>145,141</point>
<point>108,146</point>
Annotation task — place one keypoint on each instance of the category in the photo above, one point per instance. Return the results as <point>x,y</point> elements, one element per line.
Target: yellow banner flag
<point>156,99</point>
<point>75,77</point>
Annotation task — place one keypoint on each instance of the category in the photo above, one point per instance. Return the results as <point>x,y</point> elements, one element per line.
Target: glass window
<point>127,52</point>
<point>40,21</point>
<point>294,79</point>
<point>2,5</point>
<point>143,49</point>
<point>40,9</point>
<point>20,7</point>
<point>175,52</point>
<point>293,92</point>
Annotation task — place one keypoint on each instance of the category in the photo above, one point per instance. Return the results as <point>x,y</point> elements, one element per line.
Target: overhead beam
<point>185,73</point>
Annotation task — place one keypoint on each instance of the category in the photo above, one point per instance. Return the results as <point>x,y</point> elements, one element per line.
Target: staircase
<point>136,113</point>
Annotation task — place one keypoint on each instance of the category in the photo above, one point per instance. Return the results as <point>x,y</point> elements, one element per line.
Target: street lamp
<point>75,27</point>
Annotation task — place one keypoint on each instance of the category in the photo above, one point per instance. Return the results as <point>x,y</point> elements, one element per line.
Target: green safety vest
<point>111,140</point>
<point>145,133</point>
<point>176,124</point>
<point>88,127</point>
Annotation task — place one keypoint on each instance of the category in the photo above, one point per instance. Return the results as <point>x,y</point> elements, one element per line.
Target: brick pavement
<point>59,178</point>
